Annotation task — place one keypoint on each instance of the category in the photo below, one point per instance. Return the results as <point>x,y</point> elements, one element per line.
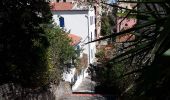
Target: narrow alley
<point>86,91</point>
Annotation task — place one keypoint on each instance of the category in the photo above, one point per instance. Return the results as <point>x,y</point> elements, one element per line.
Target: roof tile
<point>61,6</point>
<point>75,39</point>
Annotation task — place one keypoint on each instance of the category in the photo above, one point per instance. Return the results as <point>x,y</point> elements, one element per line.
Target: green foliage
<point>60,49</point>
<point>120,14</point>
<point>149,69</point>
<point>107,77</point>
<point>59,53</point>
<point>107,23</point>
<point>100,54</point>
<point>30,52</point>
<point>23,44</point>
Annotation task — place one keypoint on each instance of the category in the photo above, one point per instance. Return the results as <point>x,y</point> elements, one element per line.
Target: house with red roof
<point>125,23</point>
<point>80,20</point>
<point>75,39</point>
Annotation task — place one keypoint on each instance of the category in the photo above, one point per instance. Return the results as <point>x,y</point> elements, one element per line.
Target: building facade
<point>79,21</point>
<point>125,23</point>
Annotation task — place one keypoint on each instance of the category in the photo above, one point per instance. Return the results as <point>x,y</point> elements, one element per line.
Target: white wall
<point>67,76</point>
<point>92,36</point>
<point>77,22</point>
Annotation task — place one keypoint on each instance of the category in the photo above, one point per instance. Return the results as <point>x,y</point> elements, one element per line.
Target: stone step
<point>88,97</point>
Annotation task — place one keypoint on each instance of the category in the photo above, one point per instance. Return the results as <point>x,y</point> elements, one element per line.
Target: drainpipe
<point>88,37</point>
<point>88,44</point>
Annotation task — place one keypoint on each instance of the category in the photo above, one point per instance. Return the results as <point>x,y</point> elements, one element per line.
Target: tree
<point>107,24</point>
<point>23,41</point>
<point>60,51</point>
<point>26,45</point>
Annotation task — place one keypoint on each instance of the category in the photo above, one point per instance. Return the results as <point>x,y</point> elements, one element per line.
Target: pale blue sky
<point>111,1</point>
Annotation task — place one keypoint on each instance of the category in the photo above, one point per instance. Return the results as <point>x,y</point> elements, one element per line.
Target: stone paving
<point>87,97</point>
<point>86,86</point>
<point>85,91</point>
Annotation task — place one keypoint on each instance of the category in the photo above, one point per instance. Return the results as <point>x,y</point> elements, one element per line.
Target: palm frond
<point>132,52</point>
<point>130,29</point>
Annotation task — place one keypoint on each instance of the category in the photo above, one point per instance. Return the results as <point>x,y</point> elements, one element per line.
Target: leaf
<point>130,29</point>
<point>162,39</point>
<point>143,17</point>
<point>141,48</point>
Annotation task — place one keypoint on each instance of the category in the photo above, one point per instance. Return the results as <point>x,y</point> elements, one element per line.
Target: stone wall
<point>16,92</point>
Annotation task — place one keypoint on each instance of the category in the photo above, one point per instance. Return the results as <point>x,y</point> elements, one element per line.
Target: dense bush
<point>107,23</point>
<point>149,66</point>
<point>30,51</point>
<point>108,78</point>
<point>60,52</point>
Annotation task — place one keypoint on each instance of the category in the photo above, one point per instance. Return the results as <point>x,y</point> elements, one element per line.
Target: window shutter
<point>61,19</point>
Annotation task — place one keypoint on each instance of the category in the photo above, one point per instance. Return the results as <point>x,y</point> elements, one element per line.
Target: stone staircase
<point>86,91</point>
<point>89,97</point>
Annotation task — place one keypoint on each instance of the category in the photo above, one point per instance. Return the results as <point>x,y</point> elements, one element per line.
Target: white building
<point>78,20</point>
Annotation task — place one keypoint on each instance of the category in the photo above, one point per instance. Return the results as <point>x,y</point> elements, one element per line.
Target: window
<point>78,50</point>
<point>91,36</point>
<point>64,0</point>
<point>91,20</point>
<point>95,34</point>
<point>61,19</point>
<point>57,0</point>
<point>91,53</point>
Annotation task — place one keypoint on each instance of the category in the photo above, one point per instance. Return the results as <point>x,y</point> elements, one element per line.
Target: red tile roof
<point>61,6</point>
<point>75,39</point>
